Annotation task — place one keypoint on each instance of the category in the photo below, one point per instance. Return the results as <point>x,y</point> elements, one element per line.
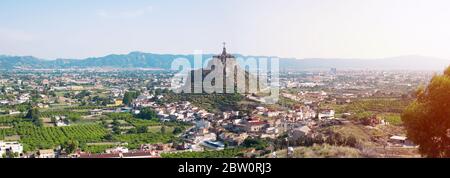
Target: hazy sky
<point>286,28</point>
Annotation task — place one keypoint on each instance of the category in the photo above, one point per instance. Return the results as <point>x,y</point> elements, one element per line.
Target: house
<point>13,112</point>
<point>4,102</point>
<point>260,109</point>
<point>136,111</point>
<point>300,132</point>
<point>233,138</point>
<point>400,141</point>
<point>96,112</point>
<point>342,101</point>
<point>163,147</point>
<point>255,125</point>
<point>10,147</point>
<point>118,102</point>
<point>202,124</point>
<point>327,114</point>
<point>61,121</point>
<point>235,113</point>
<point>76,88</point>
<point>271,113</point>
<point>203,131</point>
<point>117,150</point>
<point>46,154</point>
<point>271,130</point>
<point>226,115</point>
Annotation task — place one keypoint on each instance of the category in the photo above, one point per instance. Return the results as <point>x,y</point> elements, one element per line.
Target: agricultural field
<point>96,148</point>
<point>33,137</point>
<point>135,140</point>
<point>9,120</point>
<point>49,137</point>
<point>388,109</point>
<point>4,132</point>
<point>393,105</point>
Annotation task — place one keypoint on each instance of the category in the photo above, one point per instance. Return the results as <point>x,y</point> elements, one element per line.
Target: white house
<point>400,141</point>
<point>117,150</point>
<point>327,114</point>
<point>271,113</point>
<point>50,153</point>
<point>11,147</point>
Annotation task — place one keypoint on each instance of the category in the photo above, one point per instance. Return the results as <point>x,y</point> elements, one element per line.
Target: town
<point>112,113</point>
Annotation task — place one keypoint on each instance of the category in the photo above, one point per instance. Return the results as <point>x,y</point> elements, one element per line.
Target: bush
<point>258,144</point>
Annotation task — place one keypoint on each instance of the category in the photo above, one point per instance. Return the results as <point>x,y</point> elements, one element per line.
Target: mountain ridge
<point>138,59</point>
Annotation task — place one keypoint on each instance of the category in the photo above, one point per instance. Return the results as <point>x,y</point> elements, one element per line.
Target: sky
<point>287,28</point>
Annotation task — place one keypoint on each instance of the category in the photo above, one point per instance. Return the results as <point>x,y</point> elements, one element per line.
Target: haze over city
<point>302,29</point>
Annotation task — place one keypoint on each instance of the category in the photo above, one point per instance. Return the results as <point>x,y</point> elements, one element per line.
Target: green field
<point>392,118</point>
<point>85,131</point>
<point>33,137</point>
<point>135,140</point>
<point>374,105</point>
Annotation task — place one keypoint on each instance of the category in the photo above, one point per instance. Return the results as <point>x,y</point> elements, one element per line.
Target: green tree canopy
<point>33,115</point>
<point>163,129</point>
<point>142,129</point>
<point>147,114</point>
<point>74,117</point>
<point>177,130</point>
<point>258,144</point>
<point>427,120</point>
<point>71,146</point>
<point>130,96</point>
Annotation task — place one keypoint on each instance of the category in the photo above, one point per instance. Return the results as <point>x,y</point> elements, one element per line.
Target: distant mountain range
<point>393,63</point>
<point>164,61</point>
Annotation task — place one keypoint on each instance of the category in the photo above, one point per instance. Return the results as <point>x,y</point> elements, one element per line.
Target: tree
<point>74,117</point>
<point>109,137</point>
<point>427,120</point>
<point>129,97</point>
<point>10,154</point>
<point>158,91</point>
<point>163,129</point>
<point>147,114</point>
<point>132,131</point>
<point>67,95</point>
<point>115,122</point>
<point>116,130</point>
<point>83,94</point>
<point>70,146</point>
<point>52,93</point>
<point>177,130</point>
<point>142,129</point>
<point>33,115</point>
<point>258,144</point>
